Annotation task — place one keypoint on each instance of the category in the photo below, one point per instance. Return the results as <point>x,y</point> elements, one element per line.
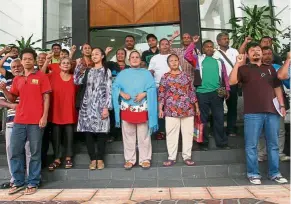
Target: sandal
<point>128,165</point>
<point>93,165</point>
<point>189,162</point>
<point>14,189</point>
<point>100,164</point>
<point>54,165</point>
<point>69,164</point>
<point>30,190</point>
<point>145,165</point>
<point>169,163</point>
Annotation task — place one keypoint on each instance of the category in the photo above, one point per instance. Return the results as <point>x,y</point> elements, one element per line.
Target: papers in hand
<point>277,106</point>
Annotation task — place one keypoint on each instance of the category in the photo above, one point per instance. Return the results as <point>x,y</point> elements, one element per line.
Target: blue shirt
<point>286,82</point>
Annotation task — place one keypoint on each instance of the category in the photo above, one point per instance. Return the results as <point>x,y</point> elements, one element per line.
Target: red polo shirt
<point>54,67</point>
<point>30,90</point>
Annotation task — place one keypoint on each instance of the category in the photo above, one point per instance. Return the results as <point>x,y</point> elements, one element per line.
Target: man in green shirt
<point>213,74</point>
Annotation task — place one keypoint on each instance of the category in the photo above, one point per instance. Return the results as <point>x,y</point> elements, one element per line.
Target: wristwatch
<point>282,106</point>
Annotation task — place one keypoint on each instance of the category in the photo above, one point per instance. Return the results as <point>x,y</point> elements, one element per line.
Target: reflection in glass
<point>115,37</point>
<point>59,21</point>
<point>215,13</point>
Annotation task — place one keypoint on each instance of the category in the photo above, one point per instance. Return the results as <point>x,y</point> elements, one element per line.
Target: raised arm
<point>2,61</point>
<point>9,96</point>
<point>5,50</point>
<point>242,48</point>
<point>284,71</point>
<point>46,63</point>
<point>79,72</point>
<point>240,60</point>
<point>72,51</point>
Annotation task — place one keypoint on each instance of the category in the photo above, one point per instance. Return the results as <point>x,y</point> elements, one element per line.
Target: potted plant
<point>256,23</point>
<point>22,44</point>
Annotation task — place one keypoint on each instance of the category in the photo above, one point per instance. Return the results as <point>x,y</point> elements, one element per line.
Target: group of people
<point>160,90</point>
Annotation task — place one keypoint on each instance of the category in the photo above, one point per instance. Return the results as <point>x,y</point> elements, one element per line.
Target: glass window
<point>115,37</point>
<point>215,13</point>
<point>59,21</point>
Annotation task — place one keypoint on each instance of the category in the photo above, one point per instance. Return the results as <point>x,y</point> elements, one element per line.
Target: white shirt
<point>231,54</point>
<point>159,64</point>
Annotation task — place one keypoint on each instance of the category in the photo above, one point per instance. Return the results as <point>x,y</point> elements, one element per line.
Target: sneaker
<point>280,179</point>
<point>256,181</point>
<point>284,158</point>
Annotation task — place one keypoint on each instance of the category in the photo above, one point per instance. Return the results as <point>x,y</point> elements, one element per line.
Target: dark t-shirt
<point>147,56</point>
<point>115,68</point>
<point>8,75</point>
<point>258,85</point>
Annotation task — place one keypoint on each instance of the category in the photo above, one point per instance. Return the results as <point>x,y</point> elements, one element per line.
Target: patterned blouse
<point>177,95</point>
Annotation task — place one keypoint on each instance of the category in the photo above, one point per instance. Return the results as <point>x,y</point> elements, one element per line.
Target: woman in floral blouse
<point>177,102</point>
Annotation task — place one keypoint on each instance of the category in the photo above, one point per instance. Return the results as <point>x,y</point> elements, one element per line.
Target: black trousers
<point>46,139</point>
<point>114,131</point>
<point>101,142</point>
<point>211,101</point>
<point>63,133</point>
<point>232,109</point>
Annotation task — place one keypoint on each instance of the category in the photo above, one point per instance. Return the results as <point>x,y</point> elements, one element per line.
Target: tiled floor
<point>230,194</point>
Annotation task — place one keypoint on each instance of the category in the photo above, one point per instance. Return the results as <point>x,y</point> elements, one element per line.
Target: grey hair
<point>219,36</point>
<point>16,60</point>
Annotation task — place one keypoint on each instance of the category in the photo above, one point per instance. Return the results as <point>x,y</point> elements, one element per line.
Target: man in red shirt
<point>33,90</point>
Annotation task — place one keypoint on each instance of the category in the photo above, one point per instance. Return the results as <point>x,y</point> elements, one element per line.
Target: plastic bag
<point>198,129</point>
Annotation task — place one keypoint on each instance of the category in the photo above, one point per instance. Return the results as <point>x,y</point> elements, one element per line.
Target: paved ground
<point>209,195</point>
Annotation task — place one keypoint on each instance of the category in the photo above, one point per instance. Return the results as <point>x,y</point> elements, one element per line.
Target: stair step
<point>203,170</point>
<point>232,155</point>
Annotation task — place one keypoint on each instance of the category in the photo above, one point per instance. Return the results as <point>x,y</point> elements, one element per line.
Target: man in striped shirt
<point>10,54</point>
<point>16,69</point>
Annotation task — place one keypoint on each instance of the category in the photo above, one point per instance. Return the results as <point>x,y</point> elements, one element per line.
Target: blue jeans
<point>253,126</point>
<point>20,134</point>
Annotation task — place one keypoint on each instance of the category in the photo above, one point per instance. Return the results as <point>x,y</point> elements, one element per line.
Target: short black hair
<point>130,36</point>
<point>251,45</point>
<point>163,39</point>
<point>30,51</point>
<point>14,47</point>
<point>56,44</point>
<point>122,50</point>
<point>266,36</point>
<point>207,41</point>
<point>219,36</point>
<point>267,48</point>
<point>151,36</point>
<point>66,51</point>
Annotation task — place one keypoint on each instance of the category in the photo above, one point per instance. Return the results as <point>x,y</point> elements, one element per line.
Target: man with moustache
<point>186,66</point>
<point>154,50</point>
<point>268,59</point>
<point>16,70</point>
<point>260,86</point>
<point>228,55</point>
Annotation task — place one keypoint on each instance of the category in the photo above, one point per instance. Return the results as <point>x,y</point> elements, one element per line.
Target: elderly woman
<point>135,102</point>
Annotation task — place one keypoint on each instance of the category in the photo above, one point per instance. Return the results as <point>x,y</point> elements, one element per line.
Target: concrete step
<point>232,155</point>
<point>116,147</point>
<point>178,172</point>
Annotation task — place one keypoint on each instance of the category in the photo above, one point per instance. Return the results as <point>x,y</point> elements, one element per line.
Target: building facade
<point>106,22</point>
